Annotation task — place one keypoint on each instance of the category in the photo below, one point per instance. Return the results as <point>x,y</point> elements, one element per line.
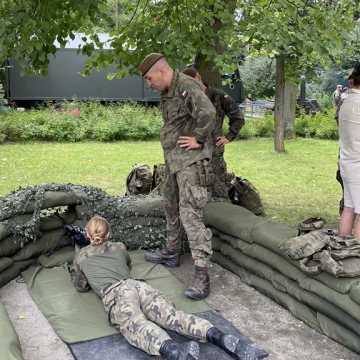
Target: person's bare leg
<point>346,222</point>
<point>357,226</point>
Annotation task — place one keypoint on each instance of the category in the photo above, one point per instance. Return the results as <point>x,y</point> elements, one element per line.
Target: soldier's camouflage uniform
<point>133,307</point>
<point>187,111</point>
<point>224,106</point>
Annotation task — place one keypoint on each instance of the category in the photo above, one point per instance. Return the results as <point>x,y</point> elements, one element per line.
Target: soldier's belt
<point>111,287</point>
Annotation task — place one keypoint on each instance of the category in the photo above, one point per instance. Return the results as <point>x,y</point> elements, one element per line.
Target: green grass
<point>295,185</point>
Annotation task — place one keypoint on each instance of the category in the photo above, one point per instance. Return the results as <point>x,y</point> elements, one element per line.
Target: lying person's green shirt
<point>98,266</point>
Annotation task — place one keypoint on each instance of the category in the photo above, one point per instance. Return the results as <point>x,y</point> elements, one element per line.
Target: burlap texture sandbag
<point>10,246</point>
<point>284,265</point>
<point>272,235</point>
<point>278,263</point>
<point>48,242</point>
<point>14,270</point>
<point>355,293</point>
<point>57,221</point>
<point>284,284</point>
<point>5,226</point>
<point>299,310</point>
<point>231,219</point>
<point>5,262</point>
<point>338,333</point>
<point>58,258</point>
<point>10,348</point>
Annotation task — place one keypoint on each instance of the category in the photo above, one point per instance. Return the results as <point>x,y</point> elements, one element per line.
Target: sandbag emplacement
<point>301,311</point>
<point>10,348</point>
<point>32,220</point>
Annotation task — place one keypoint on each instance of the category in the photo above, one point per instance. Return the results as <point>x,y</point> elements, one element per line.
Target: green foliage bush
<point>321,125</point>
<point>132,122</point>
<point>96,122</point>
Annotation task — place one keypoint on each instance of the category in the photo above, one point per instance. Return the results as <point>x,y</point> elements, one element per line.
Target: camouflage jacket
<point>225,105</point>
<point>97,266</point>
<point>186,111</point>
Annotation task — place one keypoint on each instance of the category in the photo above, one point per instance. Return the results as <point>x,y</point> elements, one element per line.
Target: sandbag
<point>6,225</point>
<point>11,245</point>
<point>14,270</point>
<point>48,242</point>
<point>299,310</point>
<point>338,333</point>
<point>355,292</point>
<point>57,221</point>
<point>291,287</point>
<point>288,269</point>
<point>234,220</point>
<point>10,348</point>
<point>58,258</point>
<point>5,262</point>
<point>272,235</point>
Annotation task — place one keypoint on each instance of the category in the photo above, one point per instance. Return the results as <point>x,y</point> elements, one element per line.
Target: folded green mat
<point>9,342</point>
<point>314,319</point>
<point>80,316</point>
<point>286,285</point>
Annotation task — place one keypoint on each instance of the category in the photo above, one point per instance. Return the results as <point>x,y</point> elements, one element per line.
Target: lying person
<point>140,312</point>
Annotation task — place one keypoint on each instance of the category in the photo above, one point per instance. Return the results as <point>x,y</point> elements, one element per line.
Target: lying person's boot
<point>200,287</point>
<point>237,346</point>
<point>163,256</point>
<point>171,350</point>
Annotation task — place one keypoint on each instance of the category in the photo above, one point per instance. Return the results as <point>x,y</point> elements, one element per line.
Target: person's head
<point>156,72</point>
<point>354,77</point>
<point>192,72</point>
<point>97,230</point>
<point>338,87</point>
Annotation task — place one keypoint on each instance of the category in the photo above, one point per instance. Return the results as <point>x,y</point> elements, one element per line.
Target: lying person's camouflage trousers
<point>138,310</point>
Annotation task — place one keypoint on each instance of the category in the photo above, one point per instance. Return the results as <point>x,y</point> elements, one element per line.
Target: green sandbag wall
<point>249,246</point>
<point>9,342</point>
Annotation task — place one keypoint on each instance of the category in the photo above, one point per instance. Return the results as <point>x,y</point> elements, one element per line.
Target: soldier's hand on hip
<point>188,142</point>
<point>221,141</point>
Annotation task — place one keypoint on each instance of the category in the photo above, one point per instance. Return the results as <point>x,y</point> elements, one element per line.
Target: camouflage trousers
<point>140,313</point>
<point>186,194</point>
<point>219,167</point>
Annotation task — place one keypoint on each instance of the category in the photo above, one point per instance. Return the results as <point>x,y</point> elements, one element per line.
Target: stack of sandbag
<point>249,246</point>
<point>32,221</point>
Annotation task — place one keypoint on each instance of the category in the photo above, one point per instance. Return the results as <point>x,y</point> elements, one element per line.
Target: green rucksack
<point>139,180</point>
<point>243,193</point>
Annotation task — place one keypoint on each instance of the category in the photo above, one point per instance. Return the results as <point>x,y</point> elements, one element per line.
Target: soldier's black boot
<point>237,346</point>
<point>200,287</point>
<point>171,350</point>
<point>163,256</point>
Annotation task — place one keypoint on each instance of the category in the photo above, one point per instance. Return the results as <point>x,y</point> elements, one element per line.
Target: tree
<point>300,35</point>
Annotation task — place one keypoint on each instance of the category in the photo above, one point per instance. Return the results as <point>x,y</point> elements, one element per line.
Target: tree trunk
<point>206,67</point>
<point>210,74</point>
<point>280,105</point>
<point>291,90</point>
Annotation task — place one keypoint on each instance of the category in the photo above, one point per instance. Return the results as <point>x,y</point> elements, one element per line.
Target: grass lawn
<point>293,186</point>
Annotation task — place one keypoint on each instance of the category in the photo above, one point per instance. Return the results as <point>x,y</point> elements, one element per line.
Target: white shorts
<point>352,195</point>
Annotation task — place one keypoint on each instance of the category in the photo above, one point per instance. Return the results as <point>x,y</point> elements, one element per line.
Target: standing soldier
<point>186,138</point>
<point>224,105</point>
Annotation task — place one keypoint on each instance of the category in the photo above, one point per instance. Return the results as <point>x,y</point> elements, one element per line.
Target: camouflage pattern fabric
<point>186,111</point>
<point>139,180</point>
<point>242,192</point>
<point>186,194</point>
<point>141,313</point>
<point>323,250</point>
